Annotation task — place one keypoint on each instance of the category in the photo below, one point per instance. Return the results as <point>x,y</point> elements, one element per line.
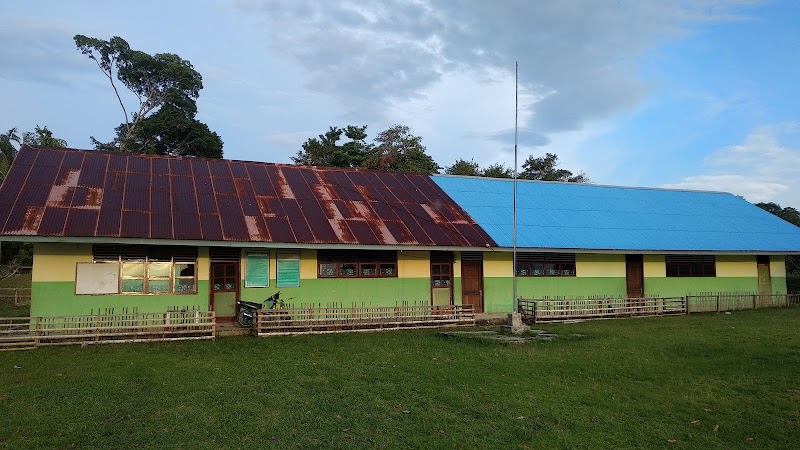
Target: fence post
<point>686,303</point>
<point>717,302</point>
<point>754,301</point>
<point>37,331</point>
<point>16,297</point>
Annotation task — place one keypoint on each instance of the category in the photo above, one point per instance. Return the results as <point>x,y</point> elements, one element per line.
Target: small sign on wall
<point>288,269</point>
<point>256,270</point>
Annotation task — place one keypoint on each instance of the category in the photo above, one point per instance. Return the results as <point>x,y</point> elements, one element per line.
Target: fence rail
<point>338,319</point>
<point>15,296</point>
<point>596,308</point>
<point>734,301</point>
<point>25,332</point>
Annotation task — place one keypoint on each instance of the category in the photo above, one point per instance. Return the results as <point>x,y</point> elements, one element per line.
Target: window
<point>691,265</point>
<point>356,264</point>
<point>150,270</point>
<point>440,275</point>
<point>545,264</point>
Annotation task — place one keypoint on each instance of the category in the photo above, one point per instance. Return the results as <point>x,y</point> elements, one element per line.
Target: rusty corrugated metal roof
<point>77,193</point>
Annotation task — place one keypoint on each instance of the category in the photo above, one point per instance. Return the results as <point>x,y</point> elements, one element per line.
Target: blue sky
<point>697,95</point>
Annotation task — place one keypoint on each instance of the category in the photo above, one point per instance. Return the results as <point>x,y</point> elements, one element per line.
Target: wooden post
<point>16,297</point>
<point>36,332</point>
<point>717,302</point>
<point>755,297</point>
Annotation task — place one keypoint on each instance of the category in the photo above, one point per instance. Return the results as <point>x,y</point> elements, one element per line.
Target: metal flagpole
<point>516,116</point>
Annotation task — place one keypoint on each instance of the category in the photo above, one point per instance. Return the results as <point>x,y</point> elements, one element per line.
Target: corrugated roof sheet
<point>74,193</point>
<point>589,217</point>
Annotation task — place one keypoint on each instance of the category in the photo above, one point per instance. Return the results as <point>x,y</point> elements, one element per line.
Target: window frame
<point>690,266</point>
<point>120,255</point>
<point>361,259</point>
<point>535,265</point>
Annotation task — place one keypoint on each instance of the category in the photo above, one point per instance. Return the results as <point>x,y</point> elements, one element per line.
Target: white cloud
<point>762,168</point>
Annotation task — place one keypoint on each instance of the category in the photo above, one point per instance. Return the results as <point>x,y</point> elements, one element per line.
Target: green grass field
<point>701,381</point>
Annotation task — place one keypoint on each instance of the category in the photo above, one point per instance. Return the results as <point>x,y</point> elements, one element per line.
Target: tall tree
<point>398,150</point>
<point>498,170</point>
<point>166,87</point>
<point>545,169</point>
<point>464,167</point>
<point>42,137</point>
<point>325,150</point>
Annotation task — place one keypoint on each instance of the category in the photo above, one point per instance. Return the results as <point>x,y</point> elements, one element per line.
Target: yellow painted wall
<point>413,264</point>
<point>457,265</point>
<point>596,265</point>
<point>57,262</point>
<point>308,265</point>
<point>498,265</point>
<point>736,266</point>
<point>654,266</point>
<point>777,266</point>
<point>203,264</point>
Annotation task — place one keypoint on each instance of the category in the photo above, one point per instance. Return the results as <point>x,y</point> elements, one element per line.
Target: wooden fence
<point>337,319</point>
<point>15,296</point>
<point>733,301</point>
<point>24,332</point>
<point>537,311</point>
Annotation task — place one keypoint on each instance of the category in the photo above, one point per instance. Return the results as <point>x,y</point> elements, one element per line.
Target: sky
<point>654,93</point>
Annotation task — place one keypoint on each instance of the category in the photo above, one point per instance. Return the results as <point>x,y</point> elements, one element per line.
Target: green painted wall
<point>679,287</point>
<point>498,292</point>
<point>57,298</point>
<point>779,285</point>
<point>356,292</point>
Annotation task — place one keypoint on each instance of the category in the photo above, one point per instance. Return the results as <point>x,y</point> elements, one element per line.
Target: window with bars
<point>151,270</point>
<point>545,264</point>
<point>356,264</point>
<point>691,265</point>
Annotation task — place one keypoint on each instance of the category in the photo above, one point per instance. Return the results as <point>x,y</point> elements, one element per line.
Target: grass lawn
<point>704,381</point>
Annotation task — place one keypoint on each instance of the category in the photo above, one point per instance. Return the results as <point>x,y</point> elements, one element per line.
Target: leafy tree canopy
<point>788,214</point>
<point>326,151</point>
<point>166,87</point>
<point>545,169</point>
<point>42,137</point>
<point>398,150</point>
<point>394,150</point>
<point>498,170</point>
<point>464,167</point>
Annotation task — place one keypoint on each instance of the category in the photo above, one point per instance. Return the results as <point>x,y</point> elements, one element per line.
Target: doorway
<point>472,280</point>
<point>764,281</point>
<point>634,276</point>
<point>224,289</point>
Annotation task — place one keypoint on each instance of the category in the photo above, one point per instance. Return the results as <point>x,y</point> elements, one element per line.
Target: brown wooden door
<point>764,281</point>
<point>472,284</point>
<point>634,275</point>
<point>224,289</point>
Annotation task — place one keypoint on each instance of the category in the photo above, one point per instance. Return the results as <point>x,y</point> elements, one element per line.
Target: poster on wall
<point>256,270</point>
<point>288,269</point>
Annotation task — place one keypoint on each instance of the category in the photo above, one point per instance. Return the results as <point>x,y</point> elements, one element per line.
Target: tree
<point>792,216</point>
<point>8,151</point>
<point>788,214</point>
<point>544,169</point>
<point>325,151</point>
<point>42,137</point>
<point>498,170</point>
<point>464,167</point>
<point>166,87</point>
<point>397,150</point>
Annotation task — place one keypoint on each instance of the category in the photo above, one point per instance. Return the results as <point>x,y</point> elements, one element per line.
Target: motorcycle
<point>249,310</point>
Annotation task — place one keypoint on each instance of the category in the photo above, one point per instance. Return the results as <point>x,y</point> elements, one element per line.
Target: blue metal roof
<point>589,217</point>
